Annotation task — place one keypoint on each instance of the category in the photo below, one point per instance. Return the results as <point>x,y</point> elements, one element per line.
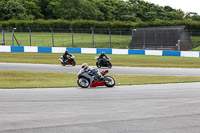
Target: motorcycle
<point>70,60</point>
<point>105,62</point>
<point>84,80</point>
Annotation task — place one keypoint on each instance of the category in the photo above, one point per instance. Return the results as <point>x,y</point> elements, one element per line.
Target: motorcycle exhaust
<point>61,60</point>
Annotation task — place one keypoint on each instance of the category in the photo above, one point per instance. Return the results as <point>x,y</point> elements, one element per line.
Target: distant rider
<point>101,57</point>
<point>90,72</point>
<point>65,56</point>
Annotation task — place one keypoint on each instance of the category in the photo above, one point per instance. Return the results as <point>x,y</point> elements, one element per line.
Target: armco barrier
<point>97,51</point>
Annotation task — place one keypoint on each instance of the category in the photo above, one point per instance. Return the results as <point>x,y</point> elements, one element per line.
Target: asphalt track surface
<point>156,108</point>
<point>113,70</point>
<point>164,108</point>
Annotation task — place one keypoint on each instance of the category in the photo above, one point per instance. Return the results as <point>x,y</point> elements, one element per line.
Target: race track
<point>164,108</point>
<point>114,70</point>
<point>156,108</point>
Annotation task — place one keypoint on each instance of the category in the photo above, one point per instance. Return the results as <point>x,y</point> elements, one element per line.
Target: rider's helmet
<point>84,66</point>
<point>66,51</point>
<point>103,53</point>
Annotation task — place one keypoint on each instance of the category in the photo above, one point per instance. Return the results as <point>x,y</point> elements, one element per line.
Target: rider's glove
<point>90,72</point>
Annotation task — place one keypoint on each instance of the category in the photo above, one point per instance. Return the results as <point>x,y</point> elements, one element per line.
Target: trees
<point>192,16</point>
<point>20,10</point>
<point>33,11</point>
<point>76,9</point>
<point>12,9</point>
<point>101,10</point>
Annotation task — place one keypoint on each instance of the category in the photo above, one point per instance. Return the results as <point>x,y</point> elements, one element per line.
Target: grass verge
<point>44,39</point>
<point>18,79</point>
<point>117,60</point>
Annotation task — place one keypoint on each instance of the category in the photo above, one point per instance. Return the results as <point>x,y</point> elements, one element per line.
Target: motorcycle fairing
<point>96,83</point>
<point>88,77</point>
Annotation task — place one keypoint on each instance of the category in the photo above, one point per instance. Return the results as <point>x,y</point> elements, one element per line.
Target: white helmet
<point>84,66</point>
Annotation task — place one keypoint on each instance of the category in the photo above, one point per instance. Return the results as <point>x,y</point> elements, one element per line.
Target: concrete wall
<point>97,51</point>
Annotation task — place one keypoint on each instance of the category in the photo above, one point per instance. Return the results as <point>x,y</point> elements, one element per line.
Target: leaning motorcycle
<point>105,62</point>
<point>84,80</point>
<point>70,60</point>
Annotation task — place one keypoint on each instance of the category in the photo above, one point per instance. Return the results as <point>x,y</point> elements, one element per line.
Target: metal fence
<point>90,38</point>
<point>162,38</point>
<point>82,38</point>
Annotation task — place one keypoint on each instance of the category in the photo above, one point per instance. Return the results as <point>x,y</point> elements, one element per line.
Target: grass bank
<point>116,60</point>
<point>18,79</point>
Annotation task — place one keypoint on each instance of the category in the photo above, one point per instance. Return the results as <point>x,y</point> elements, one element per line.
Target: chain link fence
<point>162,38</point>
<point>82,38</point>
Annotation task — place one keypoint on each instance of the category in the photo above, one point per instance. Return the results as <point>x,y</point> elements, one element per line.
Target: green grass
<point>17,79</point>
<point>81,40</point>
<point>116,60</point>
<point>196,43</point>
<point>65,39</point>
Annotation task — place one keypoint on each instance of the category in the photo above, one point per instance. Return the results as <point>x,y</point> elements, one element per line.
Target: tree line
<point>99,10</point>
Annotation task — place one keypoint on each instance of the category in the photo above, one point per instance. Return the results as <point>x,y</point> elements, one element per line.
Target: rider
<point>101,57</point>
<point>90,70</point>
<point>65,57</point>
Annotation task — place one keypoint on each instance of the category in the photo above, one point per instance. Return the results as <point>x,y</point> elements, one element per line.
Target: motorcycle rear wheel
<point>109,81</point>
<point>98,64</point>
<point>109,65</point>
<point>62,63</point>
<point>83,82</point>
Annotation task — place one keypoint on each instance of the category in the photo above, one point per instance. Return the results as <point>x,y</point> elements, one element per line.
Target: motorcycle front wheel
<point>73,63</point>
<point>83,82</point>
<point>109,81</point>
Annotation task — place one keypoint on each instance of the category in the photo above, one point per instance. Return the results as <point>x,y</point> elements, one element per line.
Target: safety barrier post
<point>72,37</point>
<point>109,36</point>
<point>52,36</point>
<point>4,42</point>
<point>92,37</point>
<point>13,34</point>
<point>30,34</point>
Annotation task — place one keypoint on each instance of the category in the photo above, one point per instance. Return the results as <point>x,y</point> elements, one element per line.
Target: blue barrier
<point>44,50</point>
<point>74,50</point>
<point>98,51</point>
<point>107,51</point>
<point>171,53</point>
<point>17,48</point>
<point>137,52</point>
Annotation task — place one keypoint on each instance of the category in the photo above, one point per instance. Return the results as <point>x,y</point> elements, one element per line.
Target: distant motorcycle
<point>70,60</point>
<point>84,81</point>
<point>105,62</point>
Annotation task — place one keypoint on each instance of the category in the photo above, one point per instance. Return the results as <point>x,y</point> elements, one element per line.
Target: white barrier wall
<point>189,54</point>
<point>153,52</point>
<point>98,51</point>
<point>58,49</point>
<point>88,50</point>
<point>30,49</point>
<point>5,49</point>
<point>119,51</point>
